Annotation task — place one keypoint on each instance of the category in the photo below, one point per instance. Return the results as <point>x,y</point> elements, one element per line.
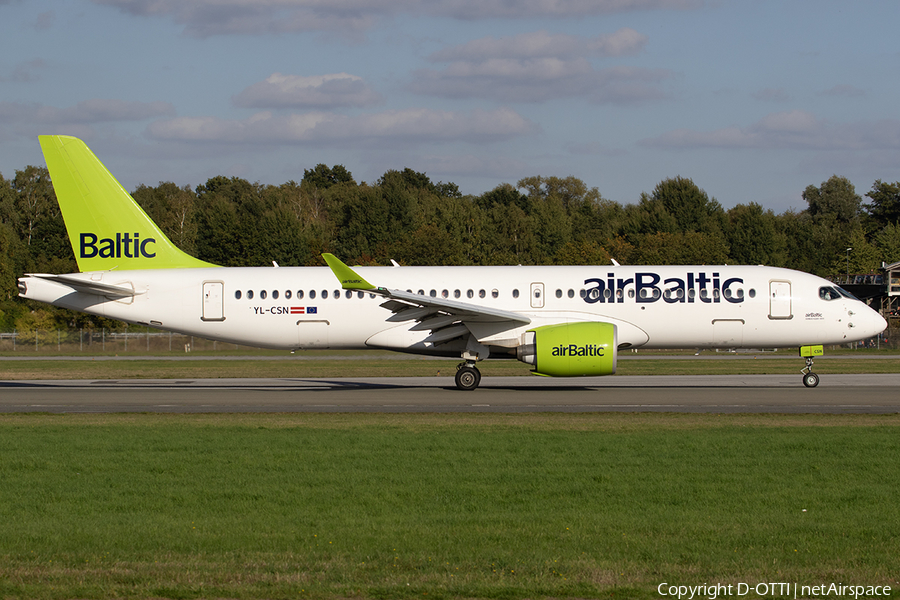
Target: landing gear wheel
<point>810,380</point>
<point>467,377</point>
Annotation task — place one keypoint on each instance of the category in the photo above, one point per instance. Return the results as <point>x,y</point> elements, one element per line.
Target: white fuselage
<point>652,306</point>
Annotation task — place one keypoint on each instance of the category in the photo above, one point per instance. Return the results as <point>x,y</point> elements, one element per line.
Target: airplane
<point>564,321</point>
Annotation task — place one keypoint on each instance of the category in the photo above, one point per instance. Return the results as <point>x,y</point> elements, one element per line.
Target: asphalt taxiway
<point>876,394</point>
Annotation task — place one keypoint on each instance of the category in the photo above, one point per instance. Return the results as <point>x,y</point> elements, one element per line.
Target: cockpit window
<point>845,293</point>
<point>835,293</point>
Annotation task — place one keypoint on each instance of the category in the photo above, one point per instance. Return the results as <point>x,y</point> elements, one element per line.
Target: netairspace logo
<point>772,590</point>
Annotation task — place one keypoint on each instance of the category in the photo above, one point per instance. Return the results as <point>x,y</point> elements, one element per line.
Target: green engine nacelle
<point>570,349</point>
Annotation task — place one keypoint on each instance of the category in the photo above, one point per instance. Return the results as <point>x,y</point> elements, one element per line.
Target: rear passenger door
<point>213,301</point>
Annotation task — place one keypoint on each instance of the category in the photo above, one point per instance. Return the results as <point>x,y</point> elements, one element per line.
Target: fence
<point>104,341</point>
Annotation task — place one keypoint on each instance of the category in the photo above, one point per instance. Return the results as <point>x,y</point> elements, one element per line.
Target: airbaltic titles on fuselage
<point>707,288</point>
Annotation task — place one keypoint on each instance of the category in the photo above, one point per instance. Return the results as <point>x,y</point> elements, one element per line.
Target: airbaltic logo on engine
<point>644,288</point>
<point>124,245</point>
<point>576,350</point>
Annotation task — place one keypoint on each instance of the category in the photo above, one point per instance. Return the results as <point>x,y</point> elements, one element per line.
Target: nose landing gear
<point>810,379</point>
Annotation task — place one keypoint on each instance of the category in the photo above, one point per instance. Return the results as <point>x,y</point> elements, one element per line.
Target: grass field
<point>442,506</point>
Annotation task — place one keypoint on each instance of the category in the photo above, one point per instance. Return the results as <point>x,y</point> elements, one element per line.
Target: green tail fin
<point>107,228</point>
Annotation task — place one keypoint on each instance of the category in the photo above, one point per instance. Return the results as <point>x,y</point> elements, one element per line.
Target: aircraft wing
<point>87,286</point>
<point>445,318</point>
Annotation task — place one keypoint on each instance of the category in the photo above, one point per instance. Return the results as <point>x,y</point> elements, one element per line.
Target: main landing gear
<point>810,379</point>
<point>467,376</point>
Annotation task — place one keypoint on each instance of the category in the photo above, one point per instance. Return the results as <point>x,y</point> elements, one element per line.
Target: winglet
<point>347,276</point>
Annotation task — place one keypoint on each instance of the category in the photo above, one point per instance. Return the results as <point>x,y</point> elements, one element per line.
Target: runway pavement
<point>662,393</point>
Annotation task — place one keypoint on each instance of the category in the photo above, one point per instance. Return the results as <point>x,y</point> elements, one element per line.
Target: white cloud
<point>472,165</point>
<point>227,17</point>
<point>98,110</point>
<point>410,125</point>
<point>28,71</point>
<point>538,66</point>
<point>795,129</point>
<point>772,95</point>
<point>45,20</point>
<point>541,44</point>
<point>482,9</point>
<point>204,18</point>
<point>539,80</point>
<point>844,90</point>
<point>319,91</point>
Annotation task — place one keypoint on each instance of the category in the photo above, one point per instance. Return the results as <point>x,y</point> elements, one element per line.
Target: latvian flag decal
<point>297,310</point>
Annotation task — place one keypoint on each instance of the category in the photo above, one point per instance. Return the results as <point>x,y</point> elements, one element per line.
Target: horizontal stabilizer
<point>89,287</point>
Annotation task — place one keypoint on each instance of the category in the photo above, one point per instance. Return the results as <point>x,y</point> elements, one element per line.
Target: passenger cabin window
<point>237,294</point>
<point>287,294</point>
<point>249,294</point>
<point>299,294</point>
<point>274,294</point>
<point>495,293</point>
<point>312,294</point>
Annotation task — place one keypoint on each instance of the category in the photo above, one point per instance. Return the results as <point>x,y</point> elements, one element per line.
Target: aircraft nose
<point>871,322</point>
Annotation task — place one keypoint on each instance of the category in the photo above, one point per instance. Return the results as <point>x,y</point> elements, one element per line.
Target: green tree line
<point>406,217</point>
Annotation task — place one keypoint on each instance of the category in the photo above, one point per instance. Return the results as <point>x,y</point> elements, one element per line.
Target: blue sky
<point>753,100</point>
